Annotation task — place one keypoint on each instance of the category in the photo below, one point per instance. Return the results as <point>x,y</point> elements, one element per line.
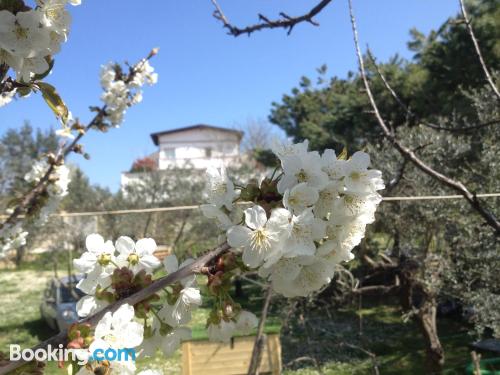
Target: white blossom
<point>221,192</point>
<point>118,330</point>
<point>300,197</point>
<point>314,273</point>
<point>12,237</point>
<point>221,332</point>
<point>333,167</point>
<point>327,204</point>
<point>22,34</point>
<point>246,322</point>
<point>261,237</point>
<point>118,94</point>
<point>89,305</point>
<point>28,38</point>
<point>302,168</point>
<point>150,372</point>
<point>305,230</point>
<point>137,256</point>
<point>6,97</point>
<point>167,343</point>
<point>360,179</point>
<point>99,257</point>
<point>180,313</point>
<point>284,149</point>
<point>171,265</point>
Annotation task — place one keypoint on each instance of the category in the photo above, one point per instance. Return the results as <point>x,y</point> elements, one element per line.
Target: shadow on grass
<point>37,330</point>
<point>343,341</point>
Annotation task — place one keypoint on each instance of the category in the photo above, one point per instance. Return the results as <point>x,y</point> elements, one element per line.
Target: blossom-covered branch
<point>286,22</point>
<point>49,177</point>
<point>183,273</point>
<point>29,38</point>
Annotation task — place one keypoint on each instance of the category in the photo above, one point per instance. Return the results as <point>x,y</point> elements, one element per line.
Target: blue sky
<point>205,75</point>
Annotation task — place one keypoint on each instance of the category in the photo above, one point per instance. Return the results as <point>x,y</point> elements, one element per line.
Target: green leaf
<point>54,101</point>
<point>343,154</point>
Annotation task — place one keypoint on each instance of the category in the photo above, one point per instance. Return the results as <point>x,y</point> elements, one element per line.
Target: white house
<point>192,147</point>
<point>197,146</point>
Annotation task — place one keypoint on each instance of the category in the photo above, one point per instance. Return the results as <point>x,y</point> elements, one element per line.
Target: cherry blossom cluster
<point>56,190</point>
<point>13,236</point>
<point>29,37</point>
<point>115,271</point>
<point>6,97</point>
<point>122,91</point>
<point>303,220</point>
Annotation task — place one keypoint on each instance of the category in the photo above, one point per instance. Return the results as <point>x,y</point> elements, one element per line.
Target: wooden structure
<point>211,358</point>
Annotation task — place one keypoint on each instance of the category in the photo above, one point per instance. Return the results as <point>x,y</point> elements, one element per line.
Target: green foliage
<point>334,112</point>
<point>19,147</point>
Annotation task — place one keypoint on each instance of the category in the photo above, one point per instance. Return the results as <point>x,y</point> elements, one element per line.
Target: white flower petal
<point>255,217</point>
<point>171,263</point>
<point>125,245</point>
<point>145,246</point>
<point>238,236</point>
<point>94,243</point>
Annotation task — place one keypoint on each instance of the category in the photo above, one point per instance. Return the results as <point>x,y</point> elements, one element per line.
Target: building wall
<point>198,148</point>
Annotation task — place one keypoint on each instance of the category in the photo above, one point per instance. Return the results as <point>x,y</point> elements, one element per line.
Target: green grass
<point>316,334</point>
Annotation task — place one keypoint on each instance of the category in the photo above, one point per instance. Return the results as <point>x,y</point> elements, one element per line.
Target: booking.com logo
<point>81,356</point>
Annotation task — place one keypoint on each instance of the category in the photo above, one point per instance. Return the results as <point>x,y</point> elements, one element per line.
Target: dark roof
<point>155,136</point>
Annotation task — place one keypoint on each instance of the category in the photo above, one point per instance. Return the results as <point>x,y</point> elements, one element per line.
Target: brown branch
<point>411,114</point>
<point>258,346</point>
<point>478,50</point>
<point>376,290</point>
<point>378,265</point>
<point>407,153</point>
<point>135,298</point>
<point>285,22</point>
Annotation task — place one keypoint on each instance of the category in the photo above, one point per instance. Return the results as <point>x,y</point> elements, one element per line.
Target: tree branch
<point>478,50</point>
<point>377,290</point>
<point>407,153</point>
<point>133,299</point>
<point>285,22</point>
<point>258,346</point>
<point>411,114</point>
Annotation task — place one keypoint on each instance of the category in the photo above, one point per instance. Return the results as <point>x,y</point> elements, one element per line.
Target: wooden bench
<point>210,358</point>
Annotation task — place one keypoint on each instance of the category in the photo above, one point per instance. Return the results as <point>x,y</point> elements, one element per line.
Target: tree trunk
<point>415,296</point>
<point>426,319</point>
<point>19,255</point>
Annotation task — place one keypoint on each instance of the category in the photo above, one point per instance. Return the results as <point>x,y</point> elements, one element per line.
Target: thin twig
<point>258,345</point>
<point>285,22</point>
<point>407,153</point>
<point>411,114</point>
<point>135,298</point>
<point>478,50</point>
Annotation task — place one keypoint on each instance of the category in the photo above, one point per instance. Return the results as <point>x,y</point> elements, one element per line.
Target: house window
<point>169,153</point>
<point>208,152</point>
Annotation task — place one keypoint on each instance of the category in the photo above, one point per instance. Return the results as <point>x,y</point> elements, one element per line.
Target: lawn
<point>326,340</point>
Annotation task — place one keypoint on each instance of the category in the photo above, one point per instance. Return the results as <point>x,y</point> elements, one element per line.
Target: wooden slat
<point>208,358</point>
